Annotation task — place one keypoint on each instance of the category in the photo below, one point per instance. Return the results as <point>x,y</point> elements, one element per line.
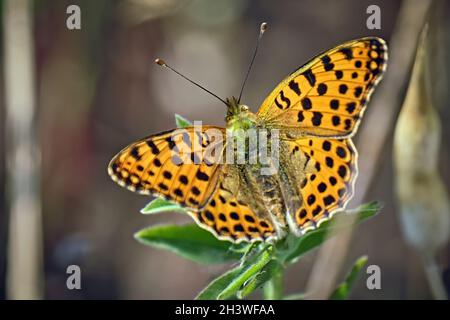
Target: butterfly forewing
<point>171,164</point>
<point>327,96</point>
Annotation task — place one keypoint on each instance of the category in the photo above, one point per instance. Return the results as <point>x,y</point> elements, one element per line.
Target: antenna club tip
<point>263,27</point>
<point>160,62</point>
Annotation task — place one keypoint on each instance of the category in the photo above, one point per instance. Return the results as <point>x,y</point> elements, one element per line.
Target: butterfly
<point>315,110</point>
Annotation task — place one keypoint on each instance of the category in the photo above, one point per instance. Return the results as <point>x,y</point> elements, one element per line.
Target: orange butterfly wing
<point>317,109</point>
<point>327,96</point>
<point>158,165</point>
<point>231,219</point>
<point>329,180</point>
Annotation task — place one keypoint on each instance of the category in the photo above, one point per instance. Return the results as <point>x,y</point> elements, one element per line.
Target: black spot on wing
<point>358,91</point>
<point>343,88</point>
<point>334,104</point>
<point>279,106</point>
<point>285,100</point>
<point>157,162</point>
<point>317,118</point>
<point>202,176</point>
<point>328,200</point>
<point>170,142</point>
<point>351,107</point>
<point>152,146</point>
<point>311,199</point>
<point>306,103</point>
<point>347,52</point>
<point>316,211</point>
<point>183,179</point>
<point>341,152</point>
<point>322,89</point>
<point>302,213</point>
<point>327,65</point>
<point>294,87</point>
<point>336,120</point>
<point>309,75</point>
<point>135,153</point>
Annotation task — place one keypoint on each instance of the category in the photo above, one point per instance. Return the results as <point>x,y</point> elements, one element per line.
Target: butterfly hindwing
<point>327,96</point>
<point>232,219</point>
<point>329,178</point>
<point>169,165</point>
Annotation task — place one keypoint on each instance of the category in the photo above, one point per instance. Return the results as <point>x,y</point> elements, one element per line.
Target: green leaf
<point>189,241</point>
<point>182,122</point>
<point>249,269</point>
<point>343,290</point>
<point>213,290</point>
<point>242,247</point>
<point>228,284</point>
<point>159,205</point>
<point>297,247</point>
<point>270,270</point>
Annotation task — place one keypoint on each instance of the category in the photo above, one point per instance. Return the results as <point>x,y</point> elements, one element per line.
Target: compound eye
<point>244,108</point>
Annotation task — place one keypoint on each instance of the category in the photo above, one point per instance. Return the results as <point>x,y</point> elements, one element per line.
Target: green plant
<point>260,265</point>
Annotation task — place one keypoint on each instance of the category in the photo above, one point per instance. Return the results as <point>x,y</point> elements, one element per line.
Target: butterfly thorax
<point>261,191</point>
<point>240,122</point>
<point>239,117</point>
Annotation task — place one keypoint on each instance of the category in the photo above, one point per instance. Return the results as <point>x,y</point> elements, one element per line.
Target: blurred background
<point>71,99</point>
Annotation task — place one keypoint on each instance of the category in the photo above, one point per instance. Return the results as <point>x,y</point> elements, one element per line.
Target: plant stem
<point>273,289</point>
<point>433,275</point>
<point>247,272</point>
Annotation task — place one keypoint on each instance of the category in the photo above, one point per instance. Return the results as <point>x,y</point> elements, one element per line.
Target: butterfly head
<point>239,115</point>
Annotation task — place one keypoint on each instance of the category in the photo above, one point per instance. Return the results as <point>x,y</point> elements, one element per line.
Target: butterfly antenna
<point>262,29</point>
<point>162,63</point>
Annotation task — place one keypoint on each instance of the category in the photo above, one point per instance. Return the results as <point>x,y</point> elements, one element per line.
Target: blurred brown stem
<point>24,269</point>
<point>433,274</point>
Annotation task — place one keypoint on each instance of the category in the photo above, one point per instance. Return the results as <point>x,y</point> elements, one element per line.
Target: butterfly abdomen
<point>264,192</point>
